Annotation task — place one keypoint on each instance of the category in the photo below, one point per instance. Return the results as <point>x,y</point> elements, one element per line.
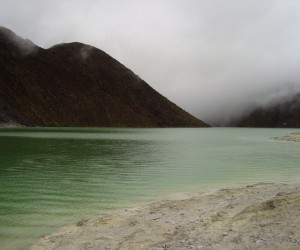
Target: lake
<point>50,177</point>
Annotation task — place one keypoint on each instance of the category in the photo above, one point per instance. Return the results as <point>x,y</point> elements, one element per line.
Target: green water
<point>51,177</point>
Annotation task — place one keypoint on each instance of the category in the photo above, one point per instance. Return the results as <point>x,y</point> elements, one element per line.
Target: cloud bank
<point>211,57</point>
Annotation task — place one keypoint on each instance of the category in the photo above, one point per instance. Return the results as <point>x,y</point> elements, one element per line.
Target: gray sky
<point>211,57</point>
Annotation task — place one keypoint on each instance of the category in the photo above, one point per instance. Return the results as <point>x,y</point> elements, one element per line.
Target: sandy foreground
<point>260,216</point>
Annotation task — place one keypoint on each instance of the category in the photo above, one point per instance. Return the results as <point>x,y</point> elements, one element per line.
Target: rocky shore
<point>10,125</point>
<point>295,137</point>
<point>260,216</point>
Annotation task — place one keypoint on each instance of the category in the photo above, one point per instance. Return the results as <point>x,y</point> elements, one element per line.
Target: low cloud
<point>264,98</point>
<point>211,57</point>
<point>85,52</point>
<point>25,46</point>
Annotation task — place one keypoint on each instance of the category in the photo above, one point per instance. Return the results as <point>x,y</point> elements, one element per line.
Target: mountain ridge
<point>281,114</point>
<point>74,84</point>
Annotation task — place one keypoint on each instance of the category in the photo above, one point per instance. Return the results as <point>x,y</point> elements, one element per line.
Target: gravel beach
<point>259,216</point>
<point>293,137</point>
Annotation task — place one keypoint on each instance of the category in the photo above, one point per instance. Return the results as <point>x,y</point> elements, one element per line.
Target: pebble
<point>258,240</point>
<point>294,240</point>
<point>225,234</point>
<point>164,247</point>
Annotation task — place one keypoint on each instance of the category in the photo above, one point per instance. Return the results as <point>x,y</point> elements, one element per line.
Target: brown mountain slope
<point>77,85</point>
<point>285,114</point>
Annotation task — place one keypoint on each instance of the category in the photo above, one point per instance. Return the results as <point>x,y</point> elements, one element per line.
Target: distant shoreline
<point>262,215</point>
<point>10,125</point>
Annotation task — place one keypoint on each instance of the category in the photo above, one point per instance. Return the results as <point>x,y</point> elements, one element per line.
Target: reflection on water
<point>51,177</point>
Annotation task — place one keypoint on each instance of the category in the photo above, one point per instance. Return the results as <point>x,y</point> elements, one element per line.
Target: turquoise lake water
<point>50,177</point>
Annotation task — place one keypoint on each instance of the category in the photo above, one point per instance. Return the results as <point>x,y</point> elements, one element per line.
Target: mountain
<point>283,114</point>
<point>75,84</point>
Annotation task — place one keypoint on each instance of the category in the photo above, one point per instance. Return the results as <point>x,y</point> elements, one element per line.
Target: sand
<point>293,137</point>
<point>260,216</point>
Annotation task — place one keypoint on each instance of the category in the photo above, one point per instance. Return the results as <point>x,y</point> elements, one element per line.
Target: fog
<point>216,59</point>
<point>264,97</point>
<point>25,46</point>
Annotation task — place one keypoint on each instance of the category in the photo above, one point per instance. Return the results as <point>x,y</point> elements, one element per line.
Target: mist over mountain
<point>277,106</point>
<point>284,114</point>
<point>75,84</point>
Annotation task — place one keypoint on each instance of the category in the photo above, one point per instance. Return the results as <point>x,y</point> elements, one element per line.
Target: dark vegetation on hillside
<point>77,85</point>
<point>285,114</point>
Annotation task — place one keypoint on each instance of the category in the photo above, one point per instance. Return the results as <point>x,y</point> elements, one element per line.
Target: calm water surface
<point>55,176</point>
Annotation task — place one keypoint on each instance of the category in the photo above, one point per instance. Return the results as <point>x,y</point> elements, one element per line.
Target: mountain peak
<point>75,84</point>
<point>16,44</point>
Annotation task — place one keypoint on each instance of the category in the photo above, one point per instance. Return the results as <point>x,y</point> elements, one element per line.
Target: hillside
<point>77,85</point>
<point>285,114</point>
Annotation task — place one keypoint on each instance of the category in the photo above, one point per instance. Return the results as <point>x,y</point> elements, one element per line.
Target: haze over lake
<point>50,177</point>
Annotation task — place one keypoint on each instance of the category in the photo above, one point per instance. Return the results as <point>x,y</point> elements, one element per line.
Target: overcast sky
<point>210,57</point>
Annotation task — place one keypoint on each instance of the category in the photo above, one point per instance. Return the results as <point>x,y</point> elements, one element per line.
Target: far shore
<point>259,216</point>
<point>10,125</point>
<point>293,137</point>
